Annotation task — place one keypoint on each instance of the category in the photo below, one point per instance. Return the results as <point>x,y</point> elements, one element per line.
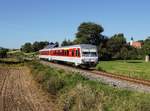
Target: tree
<point>27,47</point>
<point>146,46</point>
<point>3,52</point>
<point>36,46</point>
<point>146,49</point>
<point>89,33</point>
<point>43,44</point>
<point>124,53</point>
<point>66,43</point>
<point>39,45</point>
<point>56,44</point>
<point>115,43</point>
<point>102,49</point>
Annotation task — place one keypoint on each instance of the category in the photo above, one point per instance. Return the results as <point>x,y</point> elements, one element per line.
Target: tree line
<point>36,46</point>
<point>114,47</point>
<point>3,52</point>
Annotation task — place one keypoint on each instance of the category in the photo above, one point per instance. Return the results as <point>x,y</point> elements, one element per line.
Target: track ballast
<point>119,81</point>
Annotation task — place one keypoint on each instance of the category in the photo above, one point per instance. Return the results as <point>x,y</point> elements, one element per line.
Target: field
<point>132,68</point>
<point>64,90</point>
<point>18,91</point>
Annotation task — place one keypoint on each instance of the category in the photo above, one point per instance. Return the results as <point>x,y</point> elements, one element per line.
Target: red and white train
<point>82,54</point>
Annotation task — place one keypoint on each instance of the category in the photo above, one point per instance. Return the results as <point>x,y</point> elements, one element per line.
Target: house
<point>136,44</point>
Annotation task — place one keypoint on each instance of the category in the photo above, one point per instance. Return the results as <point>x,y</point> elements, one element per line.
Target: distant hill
<point>3,48</point>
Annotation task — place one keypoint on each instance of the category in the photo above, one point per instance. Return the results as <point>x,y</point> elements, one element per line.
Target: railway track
<point>110,78</point>
<point>122,77</point>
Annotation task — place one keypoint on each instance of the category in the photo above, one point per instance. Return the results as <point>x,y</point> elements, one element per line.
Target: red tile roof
<point>137,44</point>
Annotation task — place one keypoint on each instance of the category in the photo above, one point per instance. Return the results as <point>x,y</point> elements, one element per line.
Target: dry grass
<point>75,93</point>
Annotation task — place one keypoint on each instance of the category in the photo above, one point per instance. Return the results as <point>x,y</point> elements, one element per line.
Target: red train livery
<point>82,54</point>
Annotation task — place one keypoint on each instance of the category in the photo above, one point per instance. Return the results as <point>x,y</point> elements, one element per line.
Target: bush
<point>54,84</point>
<point>74,92</point>
<point>3,53</point>
<point>81,98</point>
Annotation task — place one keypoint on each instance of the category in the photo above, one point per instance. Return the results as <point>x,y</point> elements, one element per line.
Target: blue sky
<point>54,20</point>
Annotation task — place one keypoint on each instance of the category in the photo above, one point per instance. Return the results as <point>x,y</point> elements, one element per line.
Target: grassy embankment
<point>72,92</point>
<point>132,68</point>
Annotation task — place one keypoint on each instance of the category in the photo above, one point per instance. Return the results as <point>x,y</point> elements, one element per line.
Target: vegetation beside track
<point>131,68</point>
<point>72,92</point>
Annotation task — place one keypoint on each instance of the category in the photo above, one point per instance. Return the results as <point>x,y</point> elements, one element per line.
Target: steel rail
<point>111,75</point>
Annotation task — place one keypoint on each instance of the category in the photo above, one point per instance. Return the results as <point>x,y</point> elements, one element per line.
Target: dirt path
<point>19,92</point>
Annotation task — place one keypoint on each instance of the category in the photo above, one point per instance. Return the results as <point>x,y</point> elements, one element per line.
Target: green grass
<point>132,68</point>
<point>9,60</point>
<point>74,92</point>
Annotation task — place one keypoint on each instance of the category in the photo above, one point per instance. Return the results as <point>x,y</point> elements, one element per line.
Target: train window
<point>77,53</point>
<point>67,52</point>
<point>62,52</point>
<point>89,54</point>
<point>58,52</point>
<point>72,52</point>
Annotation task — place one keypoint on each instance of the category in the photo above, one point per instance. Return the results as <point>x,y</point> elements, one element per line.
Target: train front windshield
<point>89,54</point>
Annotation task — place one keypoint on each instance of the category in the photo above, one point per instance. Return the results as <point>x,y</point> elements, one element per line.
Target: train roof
<point>71,46</point>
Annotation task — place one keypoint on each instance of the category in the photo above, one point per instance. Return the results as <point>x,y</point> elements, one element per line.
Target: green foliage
<point>36,46</point>
<point>115,44</point>
<point>27,47</point>
<point>89,33</point>
<point>124,53</point>
<point>73,92</point>
<point>82,98</point>
<point>66,43</point>
<point>116,47</point>
<point>3,52</point>
<point>146,46</point>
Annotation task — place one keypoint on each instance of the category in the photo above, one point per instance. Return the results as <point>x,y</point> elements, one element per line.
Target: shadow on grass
<point>9,62</point>
<point>134,62</point>
<point>13,62</point>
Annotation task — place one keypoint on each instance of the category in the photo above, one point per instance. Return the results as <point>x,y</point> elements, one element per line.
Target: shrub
<point>54,84</point>
<point>74,92</point>
<point>82,98</point>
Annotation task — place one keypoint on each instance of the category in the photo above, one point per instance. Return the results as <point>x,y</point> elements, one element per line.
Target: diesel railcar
<point>82,54</point>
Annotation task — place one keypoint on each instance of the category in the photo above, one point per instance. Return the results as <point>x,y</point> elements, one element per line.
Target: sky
<point>55,20</point>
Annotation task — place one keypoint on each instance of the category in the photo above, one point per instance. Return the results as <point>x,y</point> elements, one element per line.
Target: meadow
<point>131,68</point>
<point>73,92</point>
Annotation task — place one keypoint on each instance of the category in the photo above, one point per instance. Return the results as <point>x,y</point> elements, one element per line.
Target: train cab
<point>82,54</point>
<point>89,55</point>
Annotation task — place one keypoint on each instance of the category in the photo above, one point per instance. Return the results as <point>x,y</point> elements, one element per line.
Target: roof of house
<point>137,44</point>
